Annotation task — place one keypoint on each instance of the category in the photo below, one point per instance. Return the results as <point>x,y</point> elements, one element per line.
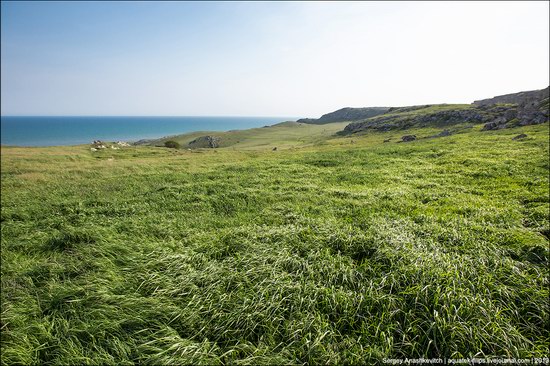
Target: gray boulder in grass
<point>519,137</point>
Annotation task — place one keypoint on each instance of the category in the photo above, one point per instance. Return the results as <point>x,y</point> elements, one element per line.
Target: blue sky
<point>262,58</point>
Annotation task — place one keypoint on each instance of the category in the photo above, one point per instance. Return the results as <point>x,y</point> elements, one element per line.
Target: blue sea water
<point>53,131</point>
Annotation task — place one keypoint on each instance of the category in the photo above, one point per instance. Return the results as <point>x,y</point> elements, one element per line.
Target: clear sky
<point>298,59</point>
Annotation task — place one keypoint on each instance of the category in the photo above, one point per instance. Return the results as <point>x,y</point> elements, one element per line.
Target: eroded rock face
<point>441,118</point>
<point>205,142</point>
<point>515,98</point>
<point>501,121</point>
<point>532,108</point>
<point>511,110</point>
<point>510,114</point>
<point>532,117</point>
<point>529,113</point>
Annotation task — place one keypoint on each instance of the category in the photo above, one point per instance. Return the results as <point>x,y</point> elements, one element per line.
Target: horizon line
<point>130,115</point>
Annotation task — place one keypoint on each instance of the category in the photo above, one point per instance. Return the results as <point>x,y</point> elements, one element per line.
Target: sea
<point>66,130</point>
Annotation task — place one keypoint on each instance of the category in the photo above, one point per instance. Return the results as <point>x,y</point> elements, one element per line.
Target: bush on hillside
<point>172,144</point>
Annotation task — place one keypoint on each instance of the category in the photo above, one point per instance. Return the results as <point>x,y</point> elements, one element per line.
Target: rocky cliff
<point>521,98</point>
<point>505,111</point>
<point>524,108</point>
<point>434,115</point>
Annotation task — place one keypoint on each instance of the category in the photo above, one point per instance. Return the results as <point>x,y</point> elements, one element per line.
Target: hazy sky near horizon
<point>299,59</point>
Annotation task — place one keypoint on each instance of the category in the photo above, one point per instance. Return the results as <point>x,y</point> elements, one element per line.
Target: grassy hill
<point>346,114</point>
<point>324,251</point>
<point>437,115</point>
<point>281,135</point>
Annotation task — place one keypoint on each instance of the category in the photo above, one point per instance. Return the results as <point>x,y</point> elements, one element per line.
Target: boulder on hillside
<point>519,137</point>
<point>98,144</point>
<point>408,138</point>
<point>211,142</point>
<point>441,134</point>
<point>490,126</point>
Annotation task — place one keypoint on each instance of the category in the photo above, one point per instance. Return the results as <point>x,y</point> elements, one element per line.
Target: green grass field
<point>324,251</point>
<point>282,135</point>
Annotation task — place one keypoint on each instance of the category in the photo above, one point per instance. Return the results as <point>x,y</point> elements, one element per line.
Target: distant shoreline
<point>36,131</point>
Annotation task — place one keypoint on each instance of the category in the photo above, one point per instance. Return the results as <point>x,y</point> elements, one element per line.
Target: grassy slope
<point>420,110</point>
<point>282,135</point>
<point>335,253</point>
<point>403,116</point>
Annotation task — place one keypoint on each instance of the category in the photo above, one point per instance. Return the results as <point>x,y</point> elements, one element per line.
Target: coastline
<point>35,131</point>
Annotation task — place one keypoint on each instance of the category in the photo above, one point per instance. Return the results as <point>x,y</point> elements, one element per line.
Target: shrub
<point>172,144</point>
